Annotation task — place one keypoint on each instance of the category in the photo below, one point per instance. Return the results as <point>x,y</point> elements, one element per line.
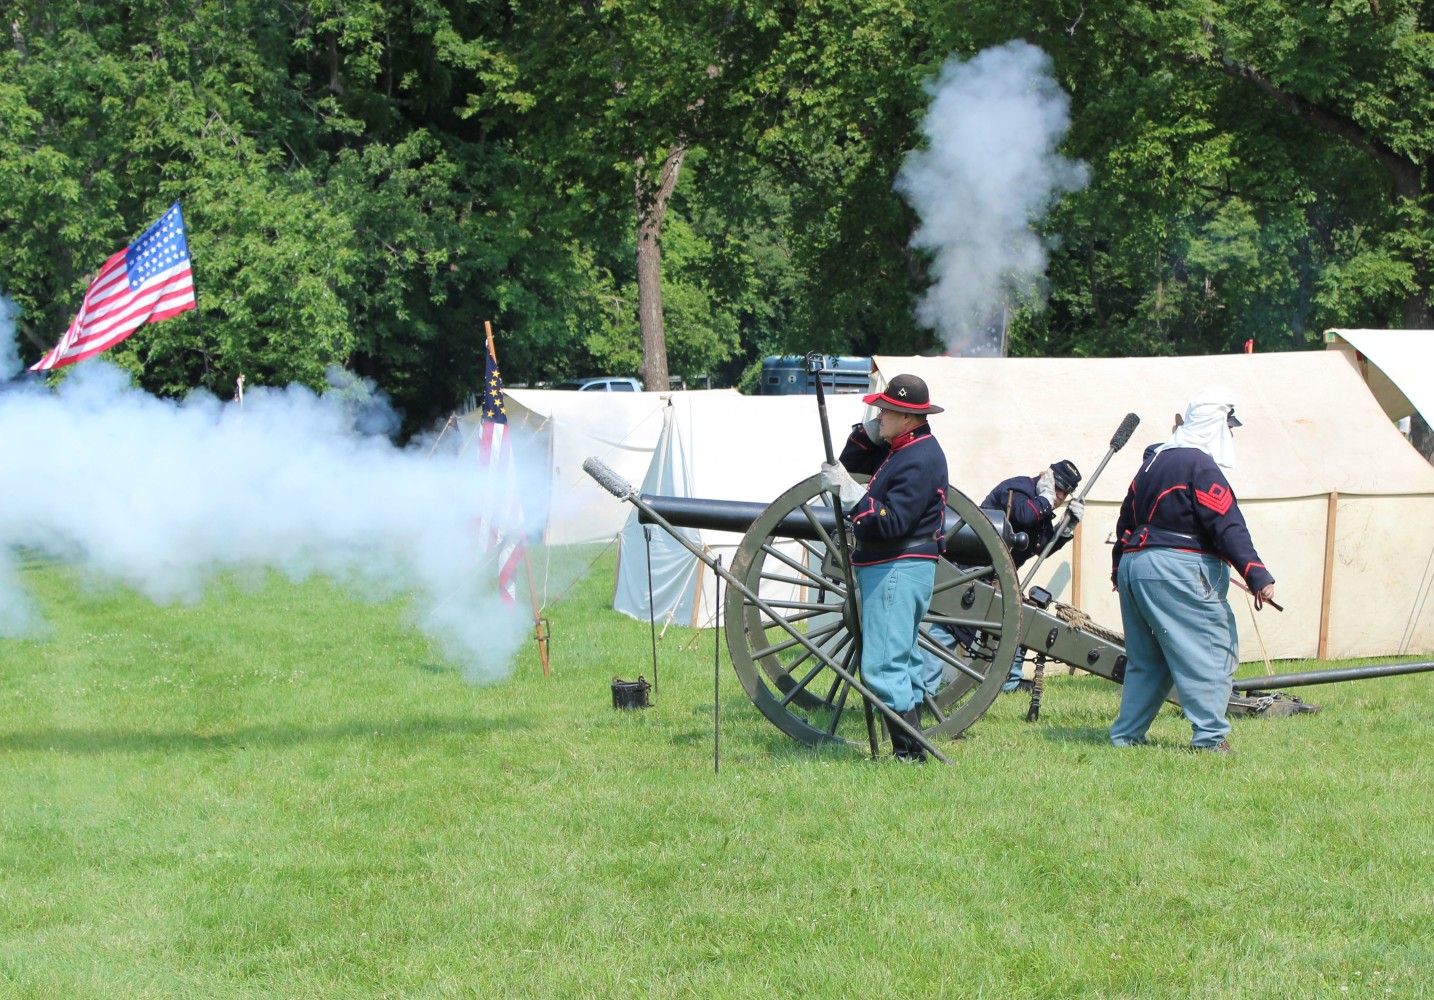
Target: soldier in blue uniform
<point>1179,532</point>
<point>1030,503</point>
<point>898,520</point>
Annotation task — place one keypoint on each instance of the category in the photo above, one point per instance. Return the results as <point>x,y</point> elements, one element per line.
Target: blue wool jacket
<point>903,514</point>
<point>1028,512</point>
<point>1180,499</point>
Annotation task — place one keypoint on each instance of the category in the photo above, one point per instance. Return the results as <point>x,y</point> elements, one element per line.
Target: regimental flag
<point>501,529</point>
<point>148,281</point>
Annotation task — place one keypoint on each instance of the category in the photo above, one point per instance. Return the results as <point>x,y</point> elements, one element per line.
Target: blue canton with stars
<point>159,248</point>
<point>492,405</point>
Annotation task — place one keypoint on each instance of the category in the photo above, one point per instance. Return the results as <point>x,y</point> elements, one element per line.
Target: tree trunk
<point>1408,184</point>
<point>1405,178</point>
<point>651,207</point>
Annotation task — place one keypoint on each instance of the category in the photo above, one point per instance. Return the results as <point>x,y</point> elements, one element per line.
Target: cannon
<point>793,625</point>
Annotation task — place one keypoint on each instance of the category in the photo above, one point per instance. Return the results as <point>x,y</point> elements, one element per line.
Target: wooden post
<point>538,634</point>
<point>1076,566</point>
<point>1326,590</point>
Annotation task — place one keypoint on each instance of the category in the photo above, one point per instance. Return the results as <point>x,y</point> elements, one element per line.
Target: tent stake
<point>717,681</point>
<point>651,620</point>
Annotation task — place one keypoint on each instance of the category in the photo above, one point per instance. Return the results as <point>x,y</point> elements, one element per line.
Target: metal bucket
<point>630,694</point>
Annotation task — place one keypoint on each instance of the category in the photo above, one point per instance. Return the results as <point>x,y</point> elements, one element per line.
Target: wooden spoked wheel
<point>796,647</point>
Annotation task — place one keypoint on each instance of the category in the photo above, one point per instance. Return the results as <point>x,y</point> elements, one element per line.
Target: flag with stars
<point>501,529</point>
<point>148,281</point>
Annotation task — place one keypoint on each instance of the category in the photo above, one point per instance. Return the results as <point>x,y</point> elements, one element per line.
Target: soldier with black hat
<point>898,520</point>
<point>1030,504</point>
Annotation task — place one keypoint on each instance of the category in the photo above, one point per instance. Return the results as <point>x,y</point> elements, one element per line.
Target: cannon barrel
<point>737,516</point>
<point>1330,676</point>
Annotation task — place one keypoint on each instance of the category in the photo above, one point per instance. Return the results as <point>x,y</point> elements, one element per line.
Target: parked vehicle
<point>601,384</point>
<point>788,375</point>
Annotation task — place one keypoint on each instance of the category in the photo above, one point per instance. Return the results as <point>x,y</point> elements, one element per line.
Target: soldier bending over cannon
<point>1030,503</point>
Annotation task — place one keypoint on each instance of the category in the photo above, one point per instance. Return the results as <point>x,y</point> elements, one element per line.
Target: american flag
<point>146,282</point>
<point>501,529</point>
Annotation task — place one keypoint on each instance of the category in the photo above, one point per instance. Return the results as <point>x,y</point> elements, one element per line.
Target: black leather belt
<point>878,548</point>
<point>1145,535</point>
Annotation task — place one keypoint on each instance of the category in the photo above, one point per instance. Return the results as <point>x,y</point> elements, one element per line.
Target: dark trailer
<point>791,375</point>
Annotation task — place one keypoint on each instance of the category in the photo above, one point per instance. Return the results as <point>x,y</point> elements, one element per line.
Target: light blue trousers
<point>934,668</point>
<point>1179,630</point>
<point>894,597</point>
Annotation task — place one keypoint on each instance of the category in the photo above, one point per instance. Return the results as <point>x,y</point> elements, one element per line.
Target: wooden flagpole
<point>538,632</point>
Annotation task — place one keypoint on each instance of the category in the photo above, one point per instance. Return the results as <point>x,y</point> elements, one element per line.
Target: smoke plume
<point>987,175</point>
<point>160,496</point>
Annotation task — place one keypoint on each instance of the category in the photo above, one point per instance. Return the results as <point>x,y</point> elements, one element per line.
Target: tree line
<point>651,187</point>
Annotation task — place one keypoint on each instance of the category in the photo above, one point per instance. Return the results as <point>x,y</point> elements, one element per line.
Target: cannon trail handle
<point>1117,441</point>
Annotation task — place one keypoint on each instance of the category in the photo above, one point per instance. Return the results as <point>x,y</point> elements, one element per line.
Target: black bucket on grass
<point>630,694</point>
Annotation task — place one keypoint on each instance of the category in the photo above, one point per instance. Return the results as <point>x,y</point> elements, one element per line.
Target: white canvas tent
<point>1340,506</point>
<point>719,448</point>
<point>555,431</point>
<point>1397,365</point>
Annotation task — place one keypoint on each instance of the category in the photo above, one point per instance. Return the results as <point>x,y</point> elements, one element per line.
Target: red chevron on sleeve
<point>1218,498</point>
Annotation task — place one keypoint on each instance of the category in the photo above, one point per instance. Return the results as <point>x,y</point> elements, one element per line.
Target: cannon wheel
<point>791,655</point>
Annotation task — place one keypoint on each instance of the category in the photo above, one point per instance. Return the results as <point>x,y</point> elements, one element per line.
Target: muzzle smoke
<point>161,496</point>
<point>984,180</point>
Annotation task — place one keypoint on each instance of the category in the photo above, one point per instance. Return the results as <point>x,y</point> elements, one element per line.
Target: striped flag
<point>148,281</point>
<point>501,533</point>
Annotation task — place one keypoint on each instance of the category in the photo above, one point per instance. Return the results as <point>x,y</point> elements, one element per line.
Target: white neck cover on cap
<point>1205,427</point>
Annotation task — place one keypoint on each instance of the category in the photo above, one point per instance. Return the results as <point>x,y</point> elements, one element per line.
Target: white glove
<point>1046,487</point>
<point>1076,506</point>
<point>837,480</point>
<point>873,428</point>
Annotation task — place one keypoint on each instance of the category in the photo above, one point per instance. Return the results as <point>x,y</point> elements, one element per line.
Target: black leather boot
<point>904,746</point>
<point>898,741</point>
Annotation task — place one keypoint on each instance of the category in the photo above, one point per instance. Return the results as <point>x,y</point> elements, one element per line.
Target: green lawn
<point>284,793</point>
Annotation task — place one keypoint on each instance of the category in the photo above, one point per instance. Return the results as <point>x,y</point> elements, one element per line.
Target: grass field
<point>282,793</point>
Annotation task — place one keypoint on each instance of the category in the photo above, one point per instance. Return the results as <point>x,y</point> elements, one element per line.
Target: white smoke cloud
<point>988,173</point>
<point>161,496</point>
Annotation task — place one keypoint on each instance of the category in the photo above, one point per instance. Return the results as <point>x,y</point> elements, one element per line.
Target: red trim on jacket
<point>1218,498</point>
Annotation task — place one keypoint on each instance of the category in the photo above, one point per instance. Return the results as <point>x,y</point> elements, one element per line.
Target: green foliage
<point>842,94</point>
<point>366,184</point>
<point>1243,158</point>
